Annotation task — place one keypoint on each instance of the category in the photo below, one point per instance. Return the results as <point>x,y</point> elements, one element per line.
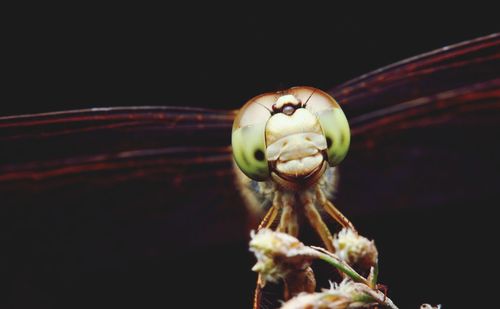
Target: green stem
<point>336,262</point>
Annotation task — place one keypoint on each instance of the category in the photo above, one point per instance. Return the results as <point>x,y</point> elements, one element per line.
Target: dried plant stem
<point>299,281</point>
<point>381,298</point>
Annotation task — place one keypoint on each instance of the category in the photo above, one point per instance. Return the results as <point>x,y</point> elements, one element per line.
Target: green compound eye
<point>248,138</point>
<point>249,150</point>
<point>337,134</point>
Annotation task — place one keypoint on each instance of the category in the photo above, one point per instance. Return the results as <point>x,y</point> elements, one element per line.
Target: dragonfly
<point>290,142</point>
<point>153,178</point>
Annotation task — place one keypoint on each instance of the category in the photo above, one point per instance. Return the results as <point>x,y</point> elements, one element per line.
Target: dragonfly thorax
<point>259,195</point>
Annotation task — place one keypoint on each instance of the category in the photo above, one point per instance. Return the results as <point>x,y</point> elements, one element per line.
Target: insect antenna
<point>304,105</point>
<point>269,110</point>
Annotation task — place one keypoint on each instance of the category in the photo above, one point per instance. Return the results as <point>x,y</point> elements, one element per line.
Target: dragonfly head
<point>290,136</point>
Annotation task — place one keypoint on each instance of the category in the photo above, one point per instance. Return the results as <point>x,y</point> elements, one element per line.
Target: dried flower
<point>278,254</point>
<point>317,301</point>
<point>281,256</point>
<point>427,306</point>
<point>356,250</point>
<point>347,294</point>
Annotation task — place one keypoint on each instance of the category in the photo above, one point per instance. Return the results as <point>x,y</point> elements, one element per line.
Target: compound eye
<point>332,119</point>
<point>337,134</point>
<point>248,137</point>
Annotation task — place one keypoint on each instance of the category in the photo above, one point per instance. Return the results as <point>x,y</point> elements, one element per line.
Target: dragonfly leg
<point>317,222</point>
<point>266,222</point>
<point>289,222</point>
<point>333,211</point>
<point>258,293</point>
<point>271,214</point>
<point>293,223</point>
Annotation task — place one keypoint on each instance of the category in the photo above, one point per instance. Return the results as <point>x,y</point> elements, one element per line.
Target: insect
<point>128,179</point>
<point>287,140</point>
<point>290,138</point>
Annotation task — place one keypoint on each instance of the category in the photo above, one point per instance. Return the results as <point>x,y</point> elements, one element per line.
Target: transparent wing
<point>128,141</point>
<point>138,176</point>
<point>424,128</point>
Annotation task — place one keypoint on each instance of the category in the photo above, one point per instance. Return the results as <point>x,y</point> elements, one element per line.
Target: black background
<point>76,57</point>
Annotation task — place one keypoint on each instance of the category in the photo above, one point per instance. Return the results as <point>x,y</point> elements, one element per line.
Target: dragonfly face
<point>290,136</point>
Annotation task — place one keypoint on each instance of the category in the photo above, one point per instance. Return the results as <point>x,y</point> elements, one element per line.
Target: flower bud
<point>427,306</point>
<point>356,250</point>
<point>278,254</point>
<point>347,294</point>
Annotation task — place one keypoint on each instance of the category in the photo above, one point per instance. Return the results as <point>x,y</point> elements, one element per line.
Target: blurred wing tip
<point>357,80</point>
